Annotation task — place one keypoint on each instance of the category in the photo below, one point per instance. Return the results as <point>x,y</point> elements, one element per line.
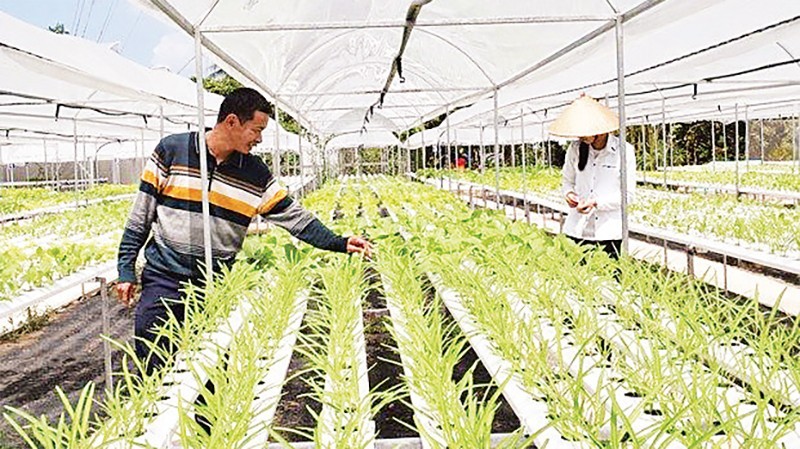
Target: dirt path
<point>67,352</point>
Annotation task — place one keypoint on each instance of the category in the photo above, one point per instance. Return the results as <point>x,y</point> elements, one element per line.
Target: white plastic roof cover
<point>369,139</point>
<point>329,63</point>
<point>273,139</point>
<point>40,70</point>
<point>507,133</point>
<point>58,150</point>
<point>325,58</point>
<point>699,56</point>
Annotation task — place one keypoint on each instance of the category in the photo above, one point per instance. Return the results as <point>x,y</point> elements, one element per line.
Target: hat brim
<point>584,117</point>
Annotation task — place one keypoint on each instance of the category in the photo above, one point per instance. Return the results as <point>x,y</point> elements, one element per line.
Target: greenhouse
<point>406,224</point>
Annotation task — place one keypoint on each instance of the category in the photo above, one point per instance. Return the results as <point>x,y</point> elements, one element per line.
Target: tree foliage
<point>691,143</point>
<point>58,28</point>
<point>223,84</point>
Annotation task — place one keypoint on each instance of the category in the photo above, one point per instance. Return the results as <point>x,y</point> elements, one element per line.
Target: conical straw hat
<point>585,117</point>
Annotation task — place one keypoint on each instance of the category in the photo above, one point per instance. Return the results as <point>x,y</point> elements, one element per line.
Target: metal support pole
<point>496,153</point>
<point>549,153</point>
<point>424,150</point>
<point>301,162</point>
<point>794,138</point>
<point>541,146</point>
<point>524,167</point>
<point>724,142</point>
<point>736,144</point>
<point>622,134</point>
<point>483,149</point>
<point>357,151</point>
<point>513,153</point>
<point>450,165</point>
<point>671,146</point>
<point>644,152</point>
<point>746,139</point>
<point>276,158</point>
<point>201,145</point>
<point>761,126</point>
<point>44,148</point>
<point>143,150</point>
<point>75,159</point>
<point>664,139</point>
<point>794,145</point>
<point>713,146</point>
<point>106,332</point>
<point>161,121</point>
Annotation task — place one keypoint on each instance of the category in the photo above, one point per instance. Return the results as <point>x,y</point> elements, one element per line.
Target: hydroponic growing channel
<point>587,353</point>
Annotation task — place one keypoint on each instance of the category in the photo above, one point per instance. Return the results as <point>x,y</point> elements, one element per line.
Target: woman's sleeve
<point>568,172</point>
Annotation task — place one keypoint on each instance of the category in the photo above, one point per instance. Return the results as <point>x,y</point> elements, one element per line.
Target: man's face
<point>248,134</point>
<point>588,140</point>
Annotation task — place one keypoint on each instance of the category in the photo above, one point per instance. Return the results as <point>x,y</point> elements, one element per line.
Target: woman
<point>591,177</point>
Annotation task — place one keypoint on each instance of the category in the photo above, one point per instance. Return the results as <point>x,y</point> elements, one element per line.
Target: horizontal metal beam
<point>51,118</point>
<point>719,82</point>
<point>384,107</point>
<point>346,25</point>
<point>378,91</point>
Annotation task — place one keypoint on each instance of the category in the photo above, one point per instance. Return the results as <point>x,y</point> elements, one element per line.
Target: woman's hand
<point>572,199</point>
<point>586,206</point>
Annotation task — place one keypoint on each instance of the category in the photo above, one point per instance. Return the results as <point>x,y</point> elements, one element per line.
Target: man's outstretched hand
<point>358,244</point>
<point>125,292</point>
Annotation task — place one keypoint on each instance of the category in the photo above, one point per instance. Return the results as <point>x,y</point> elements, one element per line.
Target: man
<point>591,177</point>
<point>240,186</point>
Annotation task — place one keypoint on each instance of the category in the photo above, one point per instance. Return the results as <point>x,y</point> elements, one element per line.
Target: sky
<point>135,31</point>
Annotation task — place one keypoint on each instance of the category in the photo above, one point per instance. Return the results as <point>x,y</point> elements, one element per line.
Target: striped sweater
<point>169,205</point>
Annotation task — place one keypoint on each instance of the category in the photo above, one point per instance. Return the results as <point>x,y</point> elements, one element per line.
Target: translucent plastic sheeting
<point>64,151</point>
<point>734,52</point>
<point>323,57</point>
<point>40,70</point>
<point>46,127</point>
<point>507,134</point>
<point>369,139</point>
<point>287,141</point>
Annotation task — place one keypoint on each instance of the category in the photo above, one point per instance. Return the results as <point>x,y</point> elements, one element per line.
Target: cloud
<point>173,51</point>
<point>151,10</point>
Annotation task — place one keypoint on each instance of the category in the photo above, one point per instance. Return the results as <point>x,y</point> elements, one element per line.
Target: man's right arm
<point>142,216</point>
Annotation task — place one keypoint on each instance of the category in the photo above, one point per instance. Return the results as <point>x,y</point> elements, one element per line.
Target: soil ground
<point>66,352</point>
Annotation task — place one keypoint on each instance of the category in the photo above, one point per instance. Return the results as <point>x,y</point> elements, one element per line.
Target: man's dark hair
<point>244,102</point>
